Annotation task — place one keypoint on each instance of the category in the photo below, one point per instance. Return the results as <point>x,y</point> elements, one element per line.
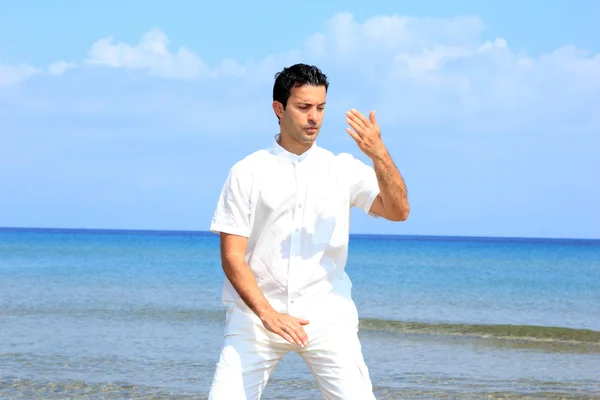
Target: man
<point>283,216</point>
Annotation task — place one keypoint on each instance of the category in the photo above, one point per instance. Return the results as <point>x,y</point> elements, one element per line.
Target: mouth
<point>311,130</point>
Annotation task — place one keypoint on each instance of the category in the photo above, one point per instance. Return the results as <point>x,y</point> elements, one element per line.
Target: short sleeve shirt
<point>295,212</point>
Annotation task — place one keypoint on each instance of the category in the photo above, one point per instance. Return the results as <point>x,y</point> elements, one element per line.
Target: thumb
<point>372,117</point>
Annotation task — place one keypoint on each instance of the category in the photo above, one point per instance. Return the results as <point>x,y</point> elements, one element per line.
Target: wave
<point>142,313</point>
<point>415,386</point>
<point>504,331</point>
<point>498,331</point>
<point>80,389</point>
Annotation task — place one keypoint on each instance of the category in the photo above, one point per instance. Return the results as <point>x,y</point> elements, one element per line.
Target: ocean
<point>100,314</point>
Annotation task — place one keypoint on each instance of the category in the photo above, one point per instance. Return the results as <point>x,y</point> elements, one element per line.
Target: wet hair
<point>296,75</point>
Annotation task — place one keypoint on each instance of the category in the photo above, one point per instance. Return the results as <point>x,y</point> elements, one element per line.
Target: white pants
<point>333,354</point>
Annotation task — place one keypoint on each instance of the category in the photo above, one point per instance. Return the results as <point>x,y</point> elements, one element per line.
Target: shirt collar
<point>286,155</point>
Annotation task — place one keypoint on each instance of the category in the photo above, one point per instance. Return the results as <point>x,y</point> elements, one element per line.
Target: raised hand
<point>288,327</point>
<point>366,133</point>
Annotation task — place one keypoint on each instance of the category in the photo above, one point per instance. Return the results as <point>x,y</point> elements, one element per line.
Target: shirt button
<point>292,302</point>
<point>299,205</point>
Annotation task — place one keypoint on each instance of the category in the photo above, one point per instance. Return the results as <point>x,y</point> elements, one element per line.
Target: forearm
<point>241,277</point>
<point>392,187</point>
<point>239,273</point>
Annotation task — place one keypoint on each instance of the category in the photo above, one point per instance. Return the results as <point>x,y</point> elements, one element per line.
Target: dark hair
<point>296,75</point>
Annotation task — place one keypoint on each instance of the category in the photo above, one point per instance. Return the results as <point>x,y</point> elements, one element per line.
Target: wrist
<point>263,310</point>
<point>380,155</point>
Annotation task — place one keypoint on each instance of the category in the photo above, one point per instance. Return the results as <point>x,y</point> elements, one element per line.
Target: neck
<point>293,146</point>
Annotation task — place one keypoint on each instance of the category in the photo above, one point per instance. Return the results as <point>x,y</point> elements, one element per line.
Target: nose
<point>313,115</point>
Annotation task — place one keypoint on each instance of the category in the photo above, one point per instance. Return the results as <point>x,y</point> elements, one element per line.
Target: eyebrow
<point>306,103</point>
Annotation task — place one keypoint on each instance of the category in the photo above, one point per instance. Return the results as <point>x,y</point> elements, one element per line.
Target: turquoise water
<point>119,314</point>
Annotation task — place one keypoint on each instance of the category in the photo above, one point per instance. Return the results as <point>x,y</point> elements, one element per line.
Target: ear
<point>278,108</point>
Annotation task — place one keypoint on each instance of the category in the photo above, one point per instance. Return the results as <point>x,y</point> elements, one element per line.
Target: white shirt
<point>295,211</point>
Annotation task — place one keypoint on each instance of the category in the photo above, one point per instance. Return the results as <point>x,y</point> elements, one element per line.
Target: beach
<point>88,314</point>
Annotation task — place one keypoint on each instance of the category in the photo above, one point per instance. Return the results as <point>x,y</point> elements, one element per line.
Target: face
<point>302,118</point>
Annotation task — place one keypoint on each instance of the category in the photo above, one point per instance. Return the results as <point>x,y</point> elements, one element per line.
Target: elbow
<point>402,217</point>
<point>402,214</point>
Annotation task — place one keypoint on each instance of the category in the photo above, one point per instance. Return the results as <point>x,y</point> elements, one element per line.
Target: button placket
<point>296,232</point>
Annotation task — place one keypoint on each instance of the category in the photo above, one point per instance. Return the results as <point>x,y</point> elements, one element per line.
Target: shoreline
<point>357,235</point>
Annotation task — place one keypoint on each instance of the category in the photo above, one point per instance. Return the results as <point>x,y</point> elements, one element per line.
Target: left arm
<point>392,201</point>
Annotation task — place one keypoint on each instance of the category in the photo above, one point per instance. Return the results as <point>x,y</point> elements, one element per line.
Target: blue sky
<point>128,115</point>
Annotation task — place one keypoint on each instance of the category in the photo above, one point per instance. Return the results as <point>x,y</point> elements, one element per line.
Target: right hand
<point>288,327</point>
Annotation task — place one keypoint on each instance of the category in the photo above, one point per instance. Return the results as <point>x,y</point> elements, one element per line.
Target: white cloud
<point>414,70</point>
<point>60,67</point>
<point>390,34</point>
<point>12,74</point>
<point>439,87</point>
<point>432,71</point>
<point>151,53</point>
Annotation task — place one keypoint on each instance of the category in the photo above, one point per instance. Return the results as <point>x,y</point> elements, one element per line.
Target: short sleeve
<point>364,187</point>
<point>232,213</point>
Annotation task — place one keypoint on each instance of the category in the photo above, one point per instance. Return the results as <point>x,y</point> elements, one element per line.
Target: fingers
<point>361,125</point>
<point>357,128</point>
<point>355,121</point>
<point>296,334</point>
<point>287,336</point>
<point>353,134</point>
<point>357,115</point>
<point>300,332</point>
<point>372,118</point>
<point>288,327</point>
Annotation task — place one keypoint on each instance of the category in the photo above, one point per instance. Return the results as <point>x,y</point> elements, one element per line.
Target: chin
<point>309,137</point>
<point>301,136</point>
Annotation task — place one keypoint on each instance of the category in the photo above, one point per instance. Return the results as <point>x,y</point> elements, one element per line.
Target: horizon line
<point>389,235</point>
